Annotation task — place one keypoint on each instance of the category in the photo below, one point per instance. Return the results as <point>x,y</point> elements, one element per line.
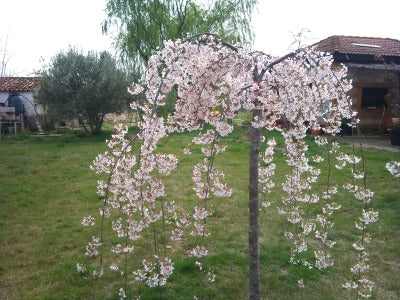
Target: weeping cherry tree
<point>214,80</point>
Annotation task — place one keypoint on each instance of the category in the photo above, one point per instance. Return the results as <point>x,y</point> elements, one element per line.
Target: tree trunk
<point>254,264</point>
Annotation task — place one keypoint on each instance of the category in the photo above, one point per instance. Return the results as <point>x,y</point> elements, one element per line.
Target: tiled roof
<point>19,84</point>
<point>360,45</point>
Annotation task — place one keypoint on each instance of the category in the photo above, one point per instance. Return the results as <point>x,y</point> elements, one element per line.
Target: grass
<point>46,188</point>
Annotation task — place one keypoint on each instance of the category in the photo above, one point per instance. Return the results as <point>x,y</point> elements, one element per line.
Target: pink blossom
<point>88,221</point>
<point>199,251</point>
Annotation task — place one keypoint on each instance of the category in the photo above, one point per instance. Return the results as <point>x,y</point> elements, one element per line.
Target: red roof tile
<point>360,45</point>
<point>19,84</point>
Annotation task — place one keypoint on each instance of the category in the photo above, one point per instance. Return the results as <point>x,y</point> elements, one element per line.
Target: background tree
<point>86,87</point>
<point>4,57</point>
<point>142,26</point>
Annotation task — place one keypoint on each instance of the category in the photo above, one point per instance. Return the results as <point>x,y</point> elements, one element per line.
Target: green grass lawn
<point>46,188</point>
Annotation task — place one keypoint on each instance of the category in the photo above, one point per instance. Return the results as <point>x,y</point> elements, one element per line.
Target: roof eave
<point>365,59</point>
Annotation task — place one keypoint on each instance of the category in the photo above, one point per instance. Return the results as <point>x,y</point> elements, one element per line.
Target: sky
<point>36,30</point>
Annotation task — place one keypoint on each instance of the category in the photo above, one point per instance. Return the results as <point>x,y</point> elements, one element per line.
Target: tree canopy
<point>85,87</point>
<point>213,81</point>
<point>142,26</point>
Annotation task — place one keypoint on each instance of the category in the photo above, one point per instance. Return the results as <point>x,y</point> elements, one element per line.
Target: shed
<point>24,90</point>
<point>374,68</point>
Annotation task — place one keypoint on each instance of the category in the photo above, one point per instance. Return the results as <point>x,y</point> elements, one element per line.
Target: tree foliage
<point>85,87</point>
<point>142,26</point>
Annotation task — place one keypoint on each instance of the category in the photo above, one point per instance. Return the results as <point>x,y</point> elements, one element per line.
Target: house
<point>18,101</point>
<point>374,68</point>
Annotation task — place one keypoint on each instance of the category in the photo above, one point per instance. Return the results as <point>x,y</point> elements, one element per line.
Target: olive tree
<point>83,87</point>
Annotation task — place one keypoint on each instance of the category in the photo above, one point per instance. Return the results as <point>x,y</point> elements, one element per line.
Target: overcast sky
<point>39,29</point>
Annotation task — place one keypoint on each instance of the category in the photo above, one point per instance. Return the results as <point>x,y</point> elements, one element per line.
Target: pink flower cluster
<point>155,274</point>
<point>266,170</point>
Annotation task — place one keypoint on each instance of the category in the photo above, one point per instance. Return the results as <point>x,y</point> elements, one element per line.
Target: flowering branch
<point>360,283</point>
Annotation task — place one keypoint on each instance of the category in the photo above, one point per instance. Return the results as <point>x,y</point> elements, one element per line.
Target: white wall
<point>29,105</point>
<point>3,97</point>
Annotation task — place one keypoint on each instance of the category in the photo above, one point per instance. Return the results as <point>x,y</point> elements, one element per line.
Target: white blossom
<point>394,168</point>
<point>211,276</point>
<point>80,268</point>
<point>87,221</point>
<point>122,294</point>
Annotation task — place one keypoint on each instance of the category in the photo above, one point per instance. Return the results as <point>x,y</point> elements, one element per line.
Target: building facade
<point>374,68</point>
<point>19,102</point>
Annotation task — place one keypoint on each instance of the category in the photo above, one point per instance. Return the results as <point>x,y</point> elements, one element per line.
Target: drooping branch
<point>204,37</point>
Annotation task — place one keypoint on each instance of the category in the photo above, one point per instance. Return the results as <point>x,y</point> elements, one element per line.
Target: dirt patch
<point>381,142</point>
<point>9,290</point>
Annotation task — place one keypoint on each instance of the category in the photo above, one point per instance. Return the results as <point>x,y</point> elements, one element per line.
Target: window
<point>373,97</point>
<point>36,100</point>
